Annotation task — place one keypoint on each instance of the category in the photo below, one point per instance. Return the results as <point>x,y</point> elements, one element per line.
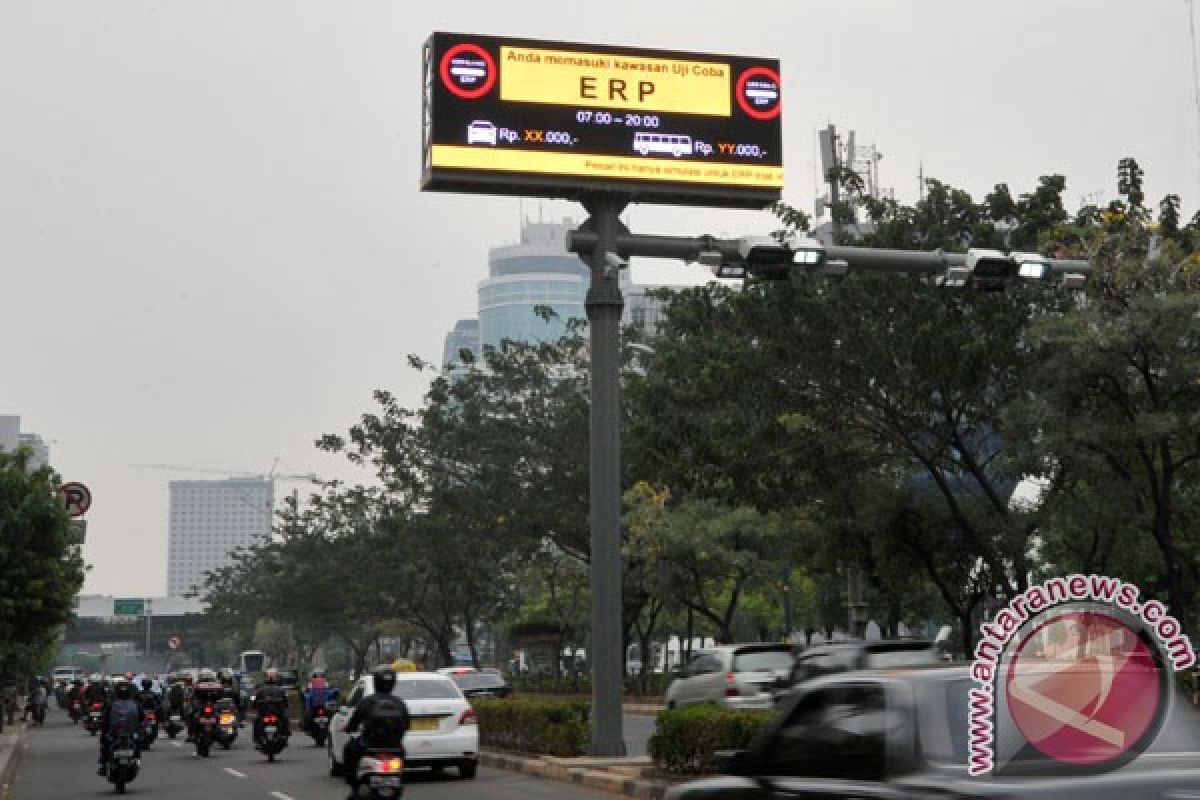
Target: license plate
<point>322,722</point>
<point>270,729</point>
<point>123,754</point>
<point>425,724</point>
<point>176,718</point>
<point>391,781</point>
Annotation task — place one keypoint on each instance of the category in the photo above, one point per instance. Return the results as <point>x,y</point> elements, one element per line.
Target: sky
<point>213,246</point>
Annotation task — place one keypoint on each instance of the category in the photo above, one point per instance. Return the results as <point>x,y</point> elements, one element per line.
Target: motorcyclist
<point>270,698</point>
<point>147,698</point>
<point>229,690</point>
<point>384,719</point>
<point>38,696</point>
<point>122,717</point>
<point>74,693</point>
<point>95,692</point>
<point>175,697</point>
<point>315,695</point>
<point>206,692</point>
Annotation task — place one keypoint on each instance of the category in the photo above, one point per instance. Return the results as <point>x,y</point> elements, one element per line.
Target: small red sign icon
<point>759,93</point>
<point>77,498</point>
<point>468,71</point>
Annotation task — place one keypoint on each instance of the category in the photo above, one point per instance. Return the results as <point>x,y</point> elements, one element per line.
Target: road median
<point>11,745</point>
<point>622,776</point>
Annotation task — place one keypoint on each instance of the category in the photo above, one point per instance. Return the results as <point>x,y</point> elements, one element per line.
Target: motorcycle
<point>95,712</point>
<point>318,726</point>
<point>270,740</point>
<point>149,728</point>
<point>75,712</point>
<point>379,775</point>
<point>123,763</point>
<point>227,723</point>
<point>206,723</point>
<point>174,723</point>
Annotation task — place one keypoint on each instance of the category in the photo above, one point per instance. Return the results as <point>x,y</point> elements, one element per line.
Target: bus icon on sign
<point>670,143</point>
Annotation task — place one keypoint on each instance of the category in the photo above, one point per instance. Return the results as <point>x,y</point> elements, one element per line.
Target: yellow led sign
<point>598,166</point>
<point>607,80</point>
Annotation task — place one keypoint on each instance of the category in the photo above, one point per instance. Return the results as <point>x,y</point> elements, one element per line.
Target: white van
<point>67,674</point>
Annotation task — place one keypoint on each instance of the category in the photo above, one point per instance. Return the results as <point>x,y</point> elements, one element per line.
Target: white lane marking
<point>280,796</point>
<point>235,773</point>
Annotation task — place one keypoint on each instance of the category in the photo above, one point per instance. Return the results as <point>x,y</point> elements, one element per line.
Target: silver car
<point>737,676</point>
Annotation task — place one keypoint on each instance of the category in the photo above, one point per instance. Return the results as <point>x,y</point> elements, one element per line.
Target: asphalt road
<point>61,762</point>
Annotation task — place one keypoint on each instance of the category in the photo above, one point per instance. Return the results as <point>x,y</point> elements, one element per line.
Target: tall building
<point>465,336</point>
<point>211,519</point>
<point>537,271</point>
<point>11,438</point>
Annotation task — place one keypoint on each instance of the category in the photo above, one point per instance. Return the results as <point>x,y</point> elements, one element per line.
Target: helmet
<point>384,679</point>
<point>147,684</point>
<point>123,690</point>
<point>271,676</point>
<point>95,677</point>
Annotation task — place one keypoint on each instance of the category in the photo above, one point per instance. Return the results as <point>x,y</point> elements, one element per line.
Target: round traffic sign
<point>77,498</point>
<point>174,643</point>
<point>759,93</point>
<point>468,71</point>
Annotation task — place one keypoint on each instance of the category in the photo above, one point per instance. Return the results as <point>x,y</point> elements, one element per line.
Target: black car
<point>481,685</point>
<point>827,659</point>
<point>903,735</point>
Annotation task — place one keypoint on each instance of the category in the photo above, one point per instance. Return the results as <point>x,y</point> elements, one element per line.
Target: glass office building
<point>537,271</point>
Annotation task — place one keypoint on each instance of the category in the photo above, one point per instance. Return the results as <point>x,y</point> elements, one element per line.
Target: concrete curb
<point>642,709</point>
<point>11,747</point>
<point>615,780</point>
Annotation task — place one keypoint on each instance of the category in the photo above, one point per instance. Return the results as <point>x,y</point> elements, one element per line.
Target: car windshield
<point>763,661</point>
<point>418,690</point>
<point>477,680</point>
<point>901,657</point>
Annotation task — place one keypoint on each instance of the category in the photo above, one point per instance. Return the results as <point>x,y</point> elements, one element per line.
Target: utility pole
<point>149,609</point>
<point>604,304</point>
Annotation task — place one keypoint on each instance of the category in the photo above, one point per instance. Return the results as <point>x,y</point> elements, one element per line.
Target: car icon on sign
<point>481,132</point>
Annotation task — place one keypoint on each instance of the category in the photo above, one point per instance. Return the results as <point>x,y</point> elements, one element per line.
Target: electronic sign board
<point>555,119</point>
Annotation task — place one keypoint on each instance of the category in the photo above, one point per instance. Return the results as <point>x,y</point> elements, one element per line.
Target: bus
<point>251,661</point>
<point>670,143</point>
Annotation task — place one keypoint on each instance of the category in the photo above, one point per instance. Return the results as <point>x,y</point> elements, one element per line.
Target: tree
<point>1113,408</point>
<point>41,568</point>
<point>707,556</point>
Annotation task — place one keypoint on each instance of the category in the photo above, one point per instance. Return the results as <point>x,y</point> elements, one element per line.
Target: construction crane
<point>310,477</point>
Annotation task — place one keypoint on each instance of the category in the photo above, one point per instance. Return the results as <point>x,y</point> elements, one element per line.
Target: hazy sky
<point>213,247</point>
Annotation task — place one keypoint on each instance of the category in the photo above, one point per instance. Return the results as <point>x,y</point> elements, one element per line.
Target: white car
<point>444,731</point>
<point>481,132</point>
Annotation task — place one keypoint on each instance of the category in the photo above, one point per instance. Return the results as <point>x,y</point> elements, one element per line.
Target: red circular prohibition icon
<point>765,73</point>
<point>452,81</point>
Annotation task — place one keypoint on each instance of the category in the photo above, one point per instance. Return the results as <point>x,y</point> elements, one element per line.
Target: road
<point>61,762</point>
